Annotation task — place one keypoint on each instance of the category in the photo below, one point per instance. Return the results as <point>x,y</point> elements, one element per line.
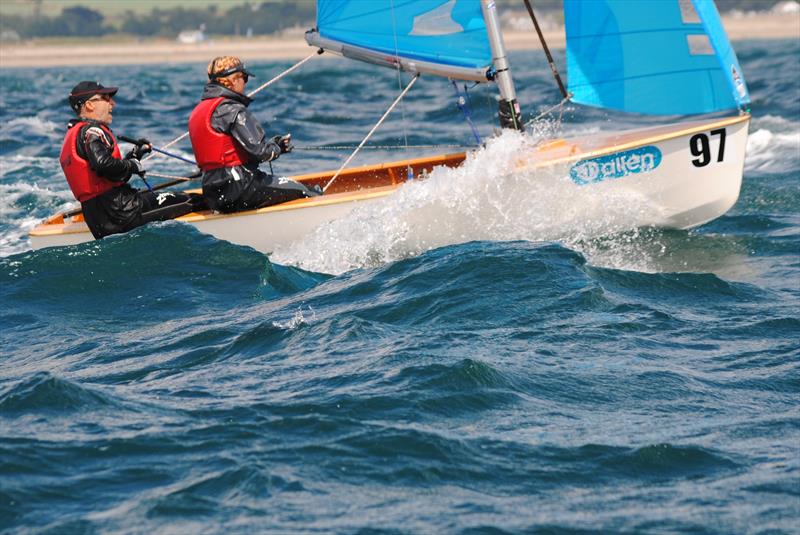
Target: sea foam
<point>484,199</point>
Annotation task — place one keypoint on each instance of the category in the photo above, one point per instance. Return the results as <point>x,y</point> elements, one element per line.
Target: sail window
<point>688,13</point>
<point>699,45</point>
<point>438,21</point>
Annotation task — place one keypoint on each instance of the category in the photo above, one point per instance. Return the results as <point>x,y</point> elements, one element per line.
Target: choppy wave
<point>31,126</point>
<point>45,393</point>
<point>772,153</point>
<point>543,368</point>
<point>16,202</point>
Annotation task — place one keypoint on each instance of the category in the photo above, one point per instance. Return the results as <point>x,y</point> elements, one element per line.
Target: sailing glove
<point>284,142</point>
<point>142,147</point>
<point>137,168</point>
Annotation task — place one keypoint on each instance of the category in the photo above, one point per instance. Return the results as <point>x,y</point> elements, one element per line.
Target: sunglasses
<point>228,72</point>
<point>106,98</point>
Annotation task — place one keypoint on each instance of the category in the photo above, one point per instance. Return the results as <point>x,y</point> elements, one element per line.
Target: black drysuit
<point>122,208</point>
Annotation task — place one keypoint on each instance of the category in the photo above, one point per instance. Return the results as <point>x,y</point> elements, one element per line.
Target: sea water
<point>529,363</point>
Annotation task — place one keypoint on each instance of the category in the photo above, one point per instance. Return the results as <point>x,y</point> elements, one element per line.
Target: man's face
<point>99,108</point>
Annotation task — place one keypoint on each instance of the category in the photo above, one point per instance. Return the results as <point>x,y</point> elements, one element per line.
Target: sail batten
<point>666,57</point>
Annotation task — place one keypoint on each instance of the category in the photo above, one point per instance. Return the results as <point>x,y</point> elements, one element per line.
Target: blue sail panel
<point>445,32</point>
<point>662,57</point>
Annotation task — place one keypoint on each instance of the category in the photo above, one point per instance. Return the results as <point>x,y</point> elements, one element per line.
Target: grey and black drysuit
<point>245,186</point>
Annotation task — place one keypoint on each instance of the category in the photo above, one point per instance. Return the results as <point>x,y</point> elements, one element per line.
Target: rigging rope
<point>464,104</point>
<point>250,94</point>
<point>550,109</point>
<point>398,99</point>
<point>171,177</point>
<point>399,77</point>
<point>381,147</point>
<point>546,50</point>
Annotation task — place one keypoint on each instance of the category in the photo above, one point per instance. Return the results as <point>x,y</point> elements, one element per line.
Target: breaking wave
<point>769,152</point>
<point>484,199</point>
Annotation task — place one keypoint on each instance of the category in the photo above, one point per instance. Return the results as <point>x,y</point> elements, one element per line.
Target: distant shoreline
<point>31,55</point>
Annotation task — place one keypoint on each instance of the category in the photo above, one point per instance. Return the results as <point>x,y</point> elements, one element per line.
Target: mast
<point>509,112</point>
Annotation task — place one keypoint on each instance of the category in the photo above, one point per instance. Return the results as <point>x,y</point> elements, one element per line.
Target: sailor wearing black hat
<point>98,175</point>
<point>229,143</point>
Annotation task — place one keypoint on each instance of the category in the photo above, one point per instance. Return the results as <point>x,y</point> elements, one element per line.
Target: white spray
<point>484,199</point>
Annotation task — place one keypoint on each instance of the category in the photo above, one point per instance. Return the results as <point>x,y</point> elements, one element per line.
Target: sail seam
<point>643,32</point>
<point>651,75</point>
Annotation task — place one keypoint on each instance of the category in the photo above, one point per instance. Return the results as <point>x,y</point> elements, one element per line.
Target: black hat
<point>86,90</point>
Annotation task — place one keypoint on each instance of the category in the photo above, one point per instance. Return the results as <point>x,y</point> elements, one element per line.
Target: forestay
<point>657,57</point>
<point>442,37</point>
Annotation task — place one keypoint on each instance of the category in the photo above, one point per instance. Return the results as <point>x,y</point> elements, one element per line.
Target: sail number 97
<point>701,148</point>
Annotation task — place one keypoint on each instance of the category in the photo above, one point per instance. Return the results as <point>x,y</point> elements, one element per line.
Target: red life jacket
<point>83,181</point>
<point>213,149</point>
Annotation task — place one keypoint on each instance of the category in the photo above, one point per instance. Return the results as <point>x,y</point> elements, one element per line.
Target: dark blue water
<point>504,376</point>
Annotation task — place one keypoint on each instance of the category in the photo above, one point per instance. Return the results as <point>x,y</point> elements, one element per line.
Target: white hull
<point>657,164</point>
<point>685,193</point>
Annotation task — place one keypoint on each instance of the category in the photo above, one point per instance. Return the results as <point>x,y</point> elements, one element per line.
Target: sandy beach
<point>33,54</point>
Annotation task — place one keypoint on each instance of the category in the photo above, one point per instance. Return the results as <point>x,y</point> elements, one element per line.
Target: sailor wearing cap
<point>229,143</point>
<point>98,175</point>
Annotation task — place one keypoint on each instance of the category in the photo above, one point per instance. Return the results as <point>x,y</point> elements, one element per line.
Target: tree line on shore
<point>246,19</point>
<point>262,18</point>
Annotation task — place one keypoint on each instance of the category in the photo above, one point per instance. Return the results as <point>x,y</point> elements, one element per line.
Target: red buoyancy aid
<point>83,181</point>
<point>213,149</point>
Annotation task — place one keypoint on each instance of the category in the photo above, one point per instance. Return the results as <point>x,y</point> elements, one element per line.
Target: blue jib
<point>670,57</point>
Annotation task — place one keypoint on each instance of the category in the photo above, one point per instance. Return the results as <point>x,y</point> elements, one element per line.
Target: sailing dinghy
<point>669,58</point>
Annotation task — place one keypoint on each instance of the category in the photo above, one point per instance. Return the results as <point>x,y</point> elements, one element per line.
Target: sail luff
<point>709,16</point>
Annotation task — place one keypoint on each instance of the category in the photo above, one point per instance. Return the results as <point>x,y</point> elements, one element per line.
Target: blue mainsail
<point>445,37</point>
<point>660,57</point>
